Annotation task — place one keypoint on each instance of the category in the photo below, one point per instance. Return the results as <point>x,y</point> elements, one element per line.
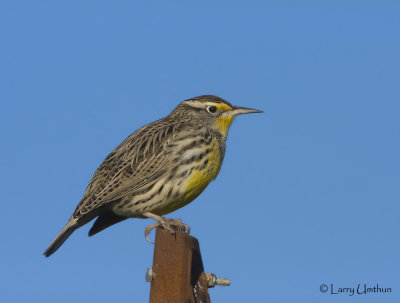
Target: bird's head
<point>213,112</point>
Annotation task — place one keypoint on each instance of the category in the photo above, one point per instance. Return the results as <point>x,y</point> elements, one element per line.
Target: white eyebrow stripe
<point>198,104</point>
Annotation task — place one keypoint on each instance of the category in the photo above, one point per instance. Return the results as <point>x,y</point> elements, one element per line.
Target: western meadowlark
<point>159,168</point>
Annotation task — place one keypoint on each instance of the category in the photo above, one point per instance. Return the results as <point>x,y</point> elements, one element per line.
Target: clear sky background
<point>308,193</point>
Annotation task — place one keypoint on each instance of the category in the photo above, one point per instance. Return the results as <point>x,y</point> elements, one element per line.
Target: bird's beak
<point>236,110</point>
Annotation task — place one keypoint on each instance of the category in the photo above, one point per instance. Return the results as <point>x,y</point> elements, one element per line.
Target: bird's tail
<point>68,229</point>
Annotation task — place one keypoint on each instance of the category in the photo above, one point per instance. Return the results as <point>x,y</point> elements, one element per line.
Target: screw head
<point>149,275</point>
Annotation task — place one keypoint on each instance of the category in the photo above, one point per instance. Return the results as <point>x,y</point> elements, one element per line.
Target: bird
<point>158,169</point>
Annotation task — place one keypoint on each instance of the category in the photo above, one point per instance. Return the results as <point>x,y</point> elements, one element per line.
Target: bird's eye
<point>212,109</point>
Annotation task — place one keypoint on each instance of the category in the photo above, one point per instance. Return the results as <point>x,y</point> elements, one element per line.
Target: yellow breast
<point>200,178</point>
<point>196,182</point>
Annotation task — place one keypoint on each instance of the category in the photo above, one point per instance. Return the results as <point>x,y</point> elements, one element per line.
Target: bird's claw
<point>148,230</point>
<point>172,225</point>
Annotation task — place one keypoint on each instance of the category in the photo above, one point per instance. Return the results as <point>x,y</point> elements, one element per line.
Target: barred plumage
<point>158,169</point>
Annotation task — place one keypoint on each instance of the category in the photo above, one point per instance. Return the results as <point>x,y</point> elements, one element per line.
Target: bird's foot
<point>171,225</point>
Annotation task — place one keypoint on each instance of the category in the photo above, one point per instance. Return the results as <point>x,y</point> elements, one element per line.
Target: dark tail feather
<point>105,220</point>
<point>61,237</point>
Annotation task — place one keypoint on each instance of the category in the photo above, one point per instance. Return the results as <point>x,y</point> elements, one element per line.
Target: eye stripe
<point>222,106</point>
<point>203,105</point>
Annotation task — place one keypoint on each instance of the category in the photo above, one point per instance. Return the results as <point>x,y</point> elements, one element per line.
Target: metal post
<point>177,274</point>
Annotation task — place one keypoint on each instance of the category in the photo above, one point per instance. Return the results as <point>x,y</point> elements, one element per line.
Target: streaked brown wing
<point>135,163</point>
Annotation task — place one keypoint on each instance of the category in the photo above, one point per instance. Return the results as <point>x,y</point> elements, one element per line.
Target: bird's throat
<point>223,123</point>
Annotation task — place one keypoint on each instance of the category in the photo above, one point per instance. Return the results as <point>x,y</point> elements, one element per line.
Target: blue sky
<point>308,193</point>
